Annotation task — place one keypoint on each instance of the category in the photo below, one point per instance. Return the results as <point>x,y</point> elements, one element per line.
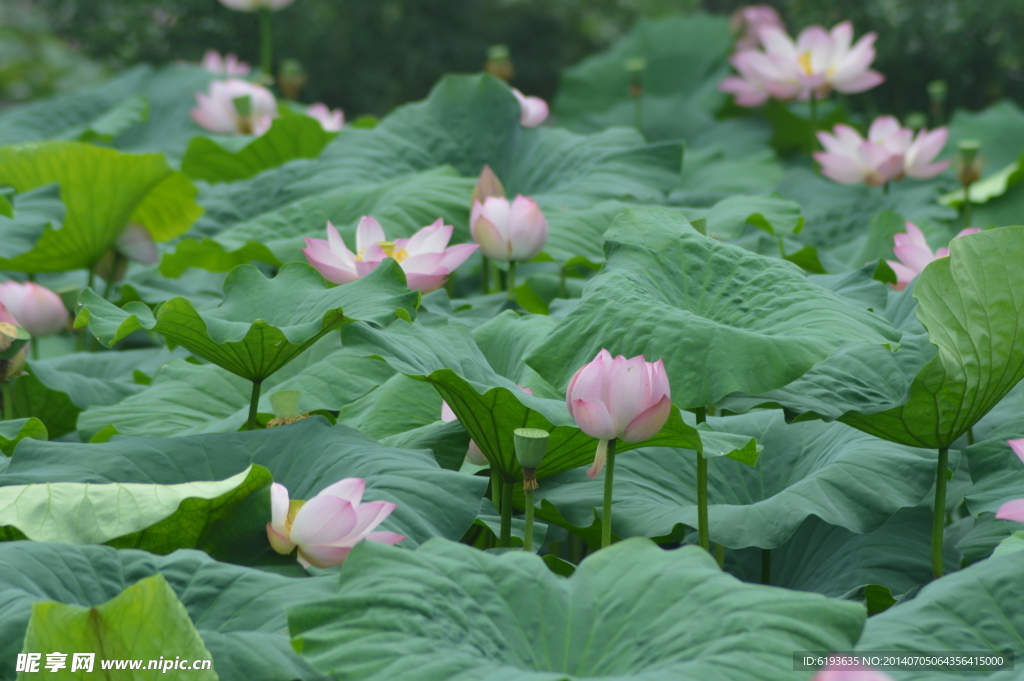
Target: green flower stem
<point>266,63</point>
<point>703,536</point>
<point>528,531</point>
<point>485,275</point>
<point>638,113</point>
<point>939,512</point>
<point>766,566</point>
<point>9,400</point>
<point>967,204</point>
<point>109,289</point>
<point>511,281</point>
<point>609,478</point>
<point>506,515</point>
<point>254,402</point>
<point>970,436</point>
<point>720,555</point>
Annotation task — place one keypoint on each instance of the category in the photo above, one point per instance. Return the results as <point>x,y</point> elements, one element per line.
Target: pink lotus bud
<point>228,65</point>
<point>235,107</point>
<point>914,254</point>
<point>473,455</point>
<point>532,110</point>
<point>488,185</point>
<point>625,399</point>
<point>37,309</point>
<point>509,232</point>
<point>255,5</point>
<point>426,258</point>
<point>326,527</point>
<point>331,120</point>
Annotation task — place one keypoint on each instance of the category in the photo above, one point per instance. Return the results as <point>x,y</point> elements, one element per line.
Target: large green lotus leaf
<point>144,622</point>
<point>402,206</point>
<point>677,102</point>
<point>711,173</point>
<point>827,470</point>
<point>14,431</point>
<point>147,192</point>
<point>838,214</point>
<point>186,399</point>
<point>32,214</point>
<point>974,610</point>
<point>723,319</point>
<point>289,137</point>
<point>632,611</point>
<point>399,405</point>
<point>728,218</point>
<point>968,306</point>
<point>997,127</point>
<point>305,457</point>
<point>490,406</point>
<point>238,611</point>
<point>836,562</point>
<point>56,390</point>
<point>263,323</point>
<point>212,515</point>
<point>997,473</point>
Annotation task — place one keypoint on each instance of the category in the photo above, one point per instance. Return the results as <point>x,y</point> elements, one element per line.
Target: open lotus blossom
<point>36,308</point>
<point>426,258</point>
<point>473,454</point>
<point>235,107</point>
<point>746,23</point>
<point>508,232</point>
<point>256,5</point>
<point>891,152</point>
<point>532,110</point>
<point>326,527</point>
<point>331,120</point>
<point>625,399</point>
<point>817,63</point>
<point>851,673</point>
<point>228,65</point>
<point>914,254</point>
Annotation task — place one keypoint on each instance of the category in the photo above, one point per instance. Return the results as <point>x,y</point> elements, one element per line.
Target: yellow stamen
<point>389,250</point>
<point>805,62</point>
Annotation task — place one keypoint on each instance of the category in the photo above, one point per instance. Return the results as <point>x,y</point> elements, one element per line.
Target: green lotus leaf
<point>239,612</point>
<point>144,622</point>
<point>263,323</point>
<point>629,611</point>
<point>289,137</point>
<point>32,214</point>
<point>997,473</point>
<point>156,517</point>
<point>13,432</point>
<point>147,192</point>
<point>975,325</point>
<point>723,319</point>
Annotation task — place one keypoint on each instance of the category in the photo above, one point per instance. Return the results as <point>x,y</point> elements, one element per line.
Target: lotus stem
<point>609,478</point>
<point>703,535</point>
<point>254,402</point>
<point>967,204</point>
<point>485,275</point>
<point>766,566</point>
<point>939,512</point>
<point>511,281</point>
<point>970,436</point>
<point>885,188</point>
<point>109,288</point>
<point>9,400</point>
<point>266,63</point>
<point>528,530</point>
<point>505,540</point>
<point>720,555</point>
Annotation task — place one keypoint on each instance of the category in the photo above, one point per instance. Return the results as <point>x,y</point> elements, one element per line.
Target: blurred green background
<point>368,56</point>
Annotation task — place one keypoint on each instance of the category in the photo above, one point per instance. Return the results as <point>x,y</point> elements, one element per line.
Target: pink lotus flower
<point>36,308</point>
<point>255,5</point>
<point>326,527</point>
<point>331,120</point>
<point>1013,510</point>
<point>625,399</point>
<point>532,110</point>
<point>747,21</point>
<point>817,63</point>
<point>890,152</point>
<point>228,65</point>
<point>914,254</point>
<point>851,673</point>
<point>235,107</point>
<point>509,232</point>
<point>426,258</point>
<point>473,455</point>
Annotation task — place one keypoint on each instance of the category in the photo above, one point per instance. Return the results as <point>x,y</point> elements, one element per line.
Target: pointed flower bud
<point>36,308</point>
<point>509,232</point>
<point>487,186</point>
<point>619,398</point>
<point>531,445</point>
<point>326,527</point>
<point>532,110</point>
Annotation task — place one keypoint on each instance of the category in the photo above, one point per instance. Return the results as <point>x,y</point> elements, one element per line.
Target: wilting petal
<point>600,456</point>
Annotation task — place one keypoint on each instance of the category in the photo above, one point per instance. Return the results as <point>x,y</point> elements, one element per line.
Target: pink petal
<point>593,419</point>
<point>528,229</point>
<point>1018,447</point>
<point>860,83</point>
<point>384,537</point>
<point>647,424</point>
<point>599,458</point>
<point>447,415</point>
<point>279,505</point>
<point>432,239</point>
<point>323,556</point>
<point>454,256</point>
<point>883,127</point>
<point>492,243</point>
<point>629,387</point>
<point>327,263</point>
<point>323,519</point>
<point>904,275</point>
<point>278,541</point>
<point>927,172</point>
<point>965,232</point>
<point>369,516</point>
<point>349,489</point>
<point>368,233</point>
<point>1012,510</point>
<point>475,456</point>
